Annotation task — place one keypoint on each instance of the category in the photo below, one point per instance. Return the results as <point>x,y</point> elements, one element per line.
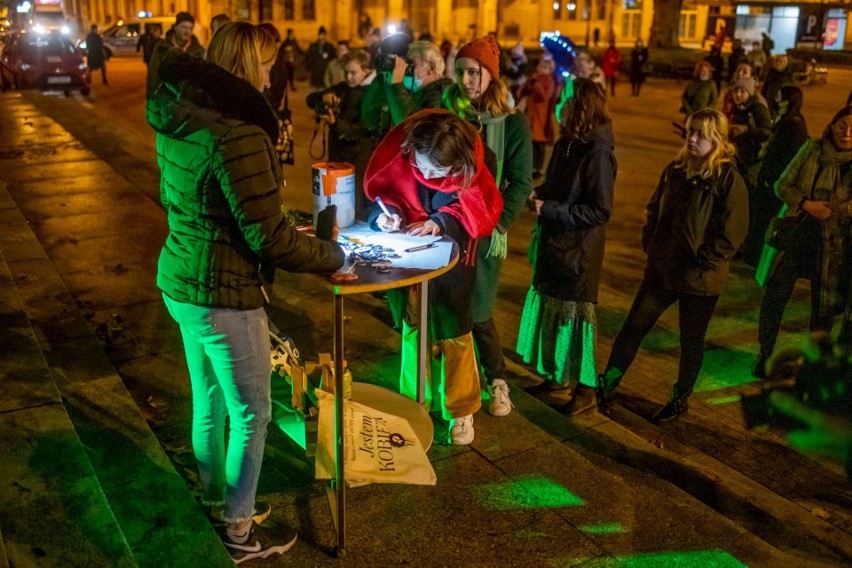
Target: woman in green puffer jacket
<point>220,187</point>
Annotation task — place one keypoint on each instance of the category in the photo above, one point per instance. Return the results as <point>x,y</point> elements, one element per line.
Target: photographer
<point>339,107</point>
<point>409,79</point>
<point>414,83</point>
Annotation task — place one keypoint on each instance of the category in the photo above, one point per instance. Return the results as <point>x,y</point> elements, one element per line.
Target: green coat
<point>515,186</point>
<point>220,187</point>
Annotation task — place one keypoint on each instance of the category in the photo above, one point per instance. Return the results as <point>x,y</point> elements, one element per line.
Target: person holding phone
<point>430,175</point>
<point>220,186</point>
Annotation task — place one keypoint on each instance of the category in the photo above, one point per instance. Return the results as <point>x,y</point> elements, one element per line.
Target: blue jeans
<point>227,353</point>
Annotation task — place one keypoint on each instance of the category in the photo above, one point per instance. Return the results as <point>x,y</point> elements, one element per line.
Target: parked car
<point>46,60</point>
<point>121,38</point>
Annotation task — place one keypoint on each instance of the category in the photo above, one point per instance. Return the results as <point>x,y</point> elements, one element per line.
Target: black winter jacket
<point>220,186</point>
<point>756,117</point>
<point>577,204</point>
<point>694,228</point>
<point>348,137</point>
<point>788,135</point>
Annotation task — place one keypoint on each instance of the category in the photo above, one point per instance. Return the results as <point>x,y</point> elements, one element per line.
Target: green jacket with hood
<point>220,186</point>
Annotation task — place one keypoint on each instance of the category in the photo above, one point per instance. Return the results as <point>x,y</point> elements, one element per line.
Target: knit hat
<point>747,84</point>
<point>486,51</point>
<point>184,17</point>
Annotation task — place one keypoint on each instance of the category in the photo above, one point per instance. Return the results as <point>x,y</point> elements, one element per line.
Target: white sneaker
<point>461,432</point>
<point>500,404</point>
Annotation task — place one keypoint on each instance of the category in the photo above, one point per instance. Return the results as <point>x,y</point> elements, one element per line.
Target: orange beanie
<point>486,51</point>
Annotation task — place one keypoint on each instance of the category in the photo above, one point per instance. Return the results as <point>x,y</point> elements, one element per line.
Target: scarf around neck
<point>391,176</point>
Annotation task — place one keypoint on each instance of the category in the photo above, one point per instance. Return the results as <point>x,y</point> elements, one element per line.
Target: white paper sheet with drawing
<point>426,259</point>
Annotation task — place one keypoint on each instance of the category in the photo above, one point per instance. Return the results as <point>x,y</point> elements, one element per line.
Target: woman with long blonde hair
<point>697,220</point>
<point>220,187</point>
<point>481,97</point>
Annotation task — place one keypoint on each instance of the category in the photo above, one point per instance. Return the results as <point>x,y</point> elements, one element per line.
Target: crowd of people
<point>452,140</point>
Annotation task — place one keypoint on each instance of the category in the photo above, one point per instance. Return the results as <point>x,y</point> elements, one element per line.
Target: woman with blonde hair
<point>482,98</point>
<point>220,187</point>
<point>697,220</point>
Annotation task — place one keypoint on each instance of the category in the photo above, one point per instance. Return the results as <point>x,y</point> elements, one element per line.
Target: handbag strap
<point>286,98</point>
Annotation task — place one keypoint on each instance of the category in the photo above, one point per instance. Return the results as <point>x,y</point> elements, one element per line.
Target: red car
<point>47,60</point>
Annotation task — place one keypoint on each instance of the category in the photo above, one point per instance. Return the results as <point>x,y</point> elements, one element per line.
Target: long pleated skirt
<point>558,337</point>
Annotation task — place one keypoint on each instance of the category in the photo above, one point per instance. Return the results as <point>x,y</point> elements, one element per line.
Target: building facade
<point>803,22</point>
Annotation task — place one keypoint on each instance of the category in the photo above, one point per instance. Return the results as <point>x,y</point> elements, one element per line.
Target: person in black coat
<point>697,221</point>
<point>718,64</point>
<point>349,139</point>
<point>736,57</point>
<point>317,57</point>
<point>638,60</point>
<point>558,325</point>
<point>149,40</point>
<point>96,55</point>
<point>751,127</point>
<point>789,132</point>
<point>778,76</point>
<point>433,176</point>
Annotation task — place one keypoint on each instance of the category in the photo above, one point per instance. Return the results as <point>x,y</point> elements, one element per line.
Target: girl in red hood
<point>431,174</point>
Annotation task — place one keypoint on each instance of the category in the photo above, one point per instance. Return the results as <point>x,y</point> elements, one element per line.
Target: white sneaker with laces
<point>461,432</point>
<point>500,404</point>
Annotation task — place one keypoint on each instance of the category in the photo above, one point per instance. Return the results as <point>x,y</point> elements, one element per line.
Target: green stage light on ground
<point>725,368</point>
<point>681,559</point>
<point>605,528</point>
<point>526,493</point>
<point>725,400</point>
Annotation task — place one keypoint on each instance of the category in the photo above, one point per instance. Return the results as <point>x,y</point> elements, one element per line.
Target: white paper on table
<point>358,231</point>
<point>431,258</point>
<point>396,241</point>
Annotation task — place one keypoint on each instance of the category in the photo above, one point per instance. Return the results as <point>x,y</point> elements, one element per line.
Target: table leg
<point>339,480</point>
<point>424,354</point>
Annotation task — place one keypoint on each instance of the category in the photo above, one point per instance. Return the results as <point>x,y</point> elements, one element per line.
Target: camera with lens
<point>393,46</point>
<point>323,108</point>
<point>385,62</point>
<point>818,375</point>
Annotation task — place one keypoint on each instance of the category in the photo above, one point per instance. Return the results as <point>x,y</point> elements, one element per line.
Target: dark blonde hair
<point>242,49</point>
<point>714,127</point>
<point>449,141</point>
<point>357,55</point>
<point>589,109</point>
<point>494,100</point>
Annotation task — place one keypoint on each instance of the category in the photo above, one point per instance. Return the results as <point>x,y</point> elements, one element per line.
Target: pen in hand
<point>391,220</point>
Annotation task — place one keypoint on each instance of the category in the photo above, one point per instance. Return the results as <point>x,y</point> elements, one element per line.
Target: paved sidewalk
<point>534,489</point>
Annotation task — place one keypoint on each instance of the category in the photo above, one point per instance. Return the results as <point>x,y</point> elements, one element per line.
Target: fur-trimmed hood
<point>196,93</point>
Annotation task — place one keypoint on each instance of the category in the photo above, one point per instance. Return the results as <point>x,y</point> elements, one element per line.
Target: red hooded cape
<point>391,176</point>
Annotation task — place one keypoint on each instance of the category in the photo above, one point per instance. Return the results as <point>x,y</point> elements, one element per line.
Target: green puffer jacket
<point>220,187</point>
